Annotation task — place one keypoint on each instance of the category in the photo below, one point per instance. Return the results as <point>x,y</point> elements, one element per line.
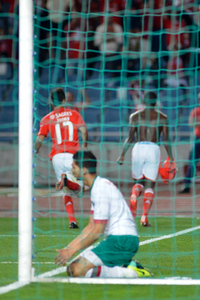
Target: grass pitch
<point>170,248</point>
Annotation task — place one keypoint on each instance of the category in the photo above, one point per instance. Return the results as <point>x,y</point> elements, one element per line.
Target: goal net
<point>105,55</point>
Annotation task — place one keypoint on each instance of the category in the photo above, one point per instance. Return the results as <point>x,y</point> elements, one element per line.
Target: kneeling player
<point>110,218</point>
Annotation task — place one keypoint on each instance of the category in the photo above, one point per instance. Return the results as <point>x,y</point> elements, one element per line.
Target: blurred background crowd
<point>137,44</point>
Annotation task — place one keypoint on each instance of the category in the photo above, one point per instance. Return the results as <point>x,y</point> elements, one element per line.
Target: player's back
<point>148,124</point>
<point>113,207</point>
<point>62,124</point>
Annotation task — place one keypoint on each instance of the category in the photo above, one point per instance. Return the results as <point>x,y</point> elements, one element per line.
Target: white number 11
<point>58,131</point>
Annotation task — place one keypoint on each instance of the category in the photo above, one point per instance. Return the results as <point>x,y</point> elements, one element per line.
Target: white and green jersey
<point>109,206</point>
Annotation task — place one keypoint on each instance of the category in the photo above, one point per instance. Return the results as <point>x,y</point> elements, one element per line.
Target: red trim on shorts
<point>144,177</point>
<point>101,221</point>
<point>149,179</point>
<point>98,271</point>
<point>138,178</point>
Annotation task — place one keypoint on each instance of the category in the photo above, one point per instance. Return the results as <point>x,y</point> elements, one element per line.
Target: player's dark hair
<point>150,98</point>
<point>57,96</point>
<point>86,159</point>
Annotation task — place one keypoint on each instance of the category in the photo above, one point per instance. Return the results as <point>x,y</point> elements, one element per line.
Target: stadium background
<point>80,65</point>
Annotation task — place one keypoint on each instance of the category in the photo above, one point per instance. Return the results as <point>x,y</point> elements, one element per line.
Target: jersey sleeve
<point>101,208</point>
<point>44,127</point>
<point>80,121</point>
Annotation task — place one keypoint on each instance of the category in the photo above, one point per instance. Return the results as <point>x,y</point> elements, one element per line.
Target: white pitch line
<point>125,281</point>
<point>11,287</point>
<point>141,243</point>
<point>59,270</point>
<point>169,235</point>
<point>38,235</point>
<point>34,263</point>
<point>58,235</point>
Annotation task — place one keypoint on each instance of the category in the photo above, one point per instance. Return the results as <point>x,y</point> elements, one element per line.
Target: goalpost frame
<point>25,140</point>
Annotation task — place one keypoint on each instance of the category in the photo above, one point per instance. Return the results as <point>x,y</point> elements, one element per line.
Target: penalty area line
<point>169,236</point>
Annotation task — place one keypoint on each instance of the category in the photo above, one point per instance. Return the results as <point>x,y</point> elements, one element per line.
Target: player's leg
<point>84,268</point>
<point>148,201</point>
<point>136,192</point>
<point>137,161</point>
<point>62,163</point>
<point>69,206</point>
<point>113,258</point>
<point>106,261</point>
<point>65,182</point>
<point>150,172</point>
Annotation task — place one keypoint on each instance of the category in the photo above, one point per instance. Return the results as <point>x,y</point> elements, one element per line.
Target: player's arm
<point>38,142</point>
<point>84,135</point>
<point>166,140</point>
<point>191,118</point>
<point>194,118</point>
<point>191,121</point>
<point>90,234</point>
<point>129,140</point>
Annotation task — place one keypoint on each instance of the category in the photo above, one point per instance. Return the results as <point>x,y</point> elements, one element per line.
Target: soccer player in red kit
<point>63,124</point>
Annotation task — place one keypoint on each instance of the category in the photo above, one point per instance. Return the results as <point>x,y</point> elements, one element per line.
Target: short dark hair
<point>150,98</point>
<point>86,159</point>
<point>57,96</point>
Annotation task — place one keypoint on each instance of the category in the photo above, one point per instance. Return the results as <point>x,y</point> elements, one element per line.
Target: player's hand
<point>59,186</point>
<point>120,160</point>
<point>62,257</point>
<point>62,183</point>
<point>84,148</point>
<point>35,151</point>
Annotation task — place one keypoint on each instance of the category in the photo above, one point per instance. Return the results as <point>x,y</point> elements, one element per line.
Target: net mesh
<point>105,54</point>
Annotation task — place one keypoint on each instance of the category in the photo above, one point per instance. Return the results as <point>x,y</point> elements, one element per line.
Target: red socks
<point>148,200</point>
<point>137,189</point>
<point>69,207</point>
<point>73,186</point>
<point>65,182</point>
<point>136,192</point>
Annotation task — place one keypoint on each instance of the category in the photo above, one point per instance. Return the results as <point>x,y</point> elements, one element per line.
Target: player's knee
<point>75,270</point>
<point>69,271</point>
<point>72,270</point>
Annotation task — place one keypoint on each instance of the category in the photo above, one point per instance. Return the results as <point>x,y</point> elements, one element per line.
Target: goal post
<point>25,139</point>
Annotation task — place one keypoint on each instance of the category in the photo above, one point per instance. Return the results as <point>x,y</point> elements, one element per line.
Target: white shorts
<point>91,256</point>
<point>62,164</point>
<point>145,160</point>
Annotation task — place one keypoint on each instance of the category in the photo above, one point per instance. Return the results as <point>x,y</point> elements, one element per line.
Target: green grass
<point>102,292</point>
<point>173,257</point>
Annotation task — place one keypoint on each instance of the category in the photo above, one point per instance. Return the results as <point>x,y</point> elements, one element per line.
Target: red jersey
<point>62,124</point>
<point>195,115</point>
